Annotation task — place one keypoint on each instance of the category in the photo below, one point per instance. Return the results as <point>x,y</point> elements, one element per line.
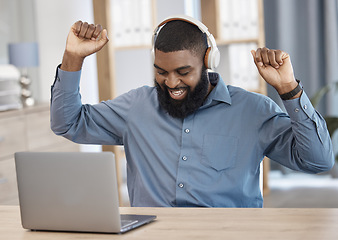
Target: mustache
<point>175,88</point>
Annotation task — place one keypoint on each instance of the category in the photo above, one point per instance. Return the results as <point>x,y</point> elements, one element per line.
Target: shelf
<point>228,42</point>
<point>132,47</point>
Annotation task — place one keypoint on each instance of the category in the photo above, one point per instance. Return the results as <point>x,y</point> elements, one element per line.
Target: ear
<point>206,58</point>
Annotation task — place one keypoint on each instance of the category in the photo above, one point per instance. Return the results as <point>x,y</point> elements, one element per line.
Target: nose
<point>172,81</point>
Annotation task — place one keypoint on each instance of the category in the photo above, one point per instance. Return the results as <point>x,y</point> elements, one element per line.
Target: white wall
<point>53,22</point>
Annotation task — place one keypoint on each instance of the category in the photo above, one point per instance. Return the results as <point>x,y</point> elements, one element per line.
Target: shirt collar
<point>220,92</point>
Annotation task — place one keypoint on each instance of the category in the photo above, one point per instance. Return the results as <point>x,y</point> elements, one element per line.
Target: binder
<point>132,22</point>
<point>238,19</point>
<point>242,69</point>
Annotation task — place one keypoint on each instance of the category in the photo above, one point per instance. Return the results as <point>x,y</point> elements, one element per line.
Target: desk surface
<point>201,223</point>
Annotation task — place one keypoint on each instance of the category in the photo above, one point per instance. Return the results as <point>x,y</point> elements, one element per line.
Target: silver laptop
<point>74,191</point>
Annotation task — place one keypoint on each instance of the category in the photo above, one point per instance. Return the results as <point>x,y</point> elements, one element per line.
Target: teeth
<point>177,93</point>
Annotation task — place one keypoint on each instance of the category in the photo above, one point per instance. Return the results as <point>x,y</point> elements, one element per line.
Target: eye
<point>183,73</point>
<point>161,73</point>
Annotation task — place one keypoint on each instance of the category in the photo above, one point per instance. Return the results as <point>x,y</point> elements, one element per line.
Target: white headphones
<point>212,55</point>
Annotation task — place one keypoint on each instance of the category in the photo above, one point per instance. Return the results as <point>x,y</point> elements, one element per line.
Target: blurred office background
<point>306,29</point>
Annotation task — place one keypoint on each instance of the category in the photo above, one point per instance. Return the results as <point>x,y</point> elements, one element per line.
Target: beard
<point>185,107</point>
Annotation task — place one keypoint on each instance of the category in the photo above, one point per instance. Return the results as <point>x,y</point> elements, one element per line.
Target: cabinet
<point>25,130</point>
<point>214,14</point>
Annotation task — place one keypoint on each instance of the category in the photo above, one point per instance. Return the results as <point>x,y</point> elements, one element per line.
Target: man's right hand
<point>83,40</point>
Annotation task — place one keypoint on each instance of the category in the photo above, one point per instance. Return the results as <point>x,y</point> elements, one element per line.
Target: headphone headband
<point>212,56</point>
<point>185,18</point>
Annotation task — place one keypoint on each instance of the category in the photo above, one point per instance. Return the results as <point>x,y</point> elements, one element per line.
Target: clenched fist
<point>83,40</point>
<point>276,69</point>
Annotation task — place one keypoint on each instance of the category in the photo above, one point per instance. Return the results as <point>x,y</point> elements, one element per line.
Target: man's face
<point>182,82</point>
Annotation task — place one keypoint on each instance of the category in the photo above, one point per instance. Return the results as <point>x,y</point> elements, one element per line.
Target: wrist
<point>283,88</point>
<point>292,94</point>
<point>71,62</point>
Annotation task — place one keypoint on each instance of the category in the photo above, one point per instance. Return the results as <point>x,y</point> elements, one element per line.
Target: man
<point>191,140</point>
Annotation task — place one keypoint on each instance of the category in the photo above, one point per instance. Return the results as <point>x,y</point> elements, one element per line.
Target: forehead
<point>173,60</point>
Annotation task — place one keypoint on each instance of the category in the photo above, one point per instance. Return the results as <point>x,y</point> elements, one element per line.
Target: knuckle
<point>279,52</point>
<point>99,26</point>
<point>78,25</point>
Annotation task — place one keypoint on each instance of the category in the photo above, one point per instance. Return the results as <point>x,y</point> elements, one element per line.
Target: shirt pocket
<point>219,152</point>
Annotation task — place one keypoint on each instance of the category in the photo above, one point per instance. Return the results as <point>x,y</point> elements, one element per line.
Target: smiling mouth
<point>178,93</point>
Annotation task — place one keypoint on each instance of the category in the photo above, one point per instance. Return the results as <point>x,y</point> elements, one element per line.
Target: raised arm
<point>81,123</point>
<point>307,146</point>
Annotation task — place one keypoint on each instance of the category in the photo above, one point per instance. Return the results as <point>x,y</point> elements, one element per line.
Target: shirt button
<point>305,106</point>
<point>181,185</point>
<point>296,110</point>
<point>184,158</point>
<point>187,130</point>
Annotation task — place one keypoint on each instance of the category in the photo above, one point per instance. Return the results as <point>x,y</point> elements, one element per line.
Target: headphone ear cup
<point>214,58</point>
<point>211,58</point>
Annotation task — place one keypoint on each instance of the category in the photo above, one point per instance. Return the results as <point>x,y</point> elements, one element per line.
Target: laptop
<point>71,191</point>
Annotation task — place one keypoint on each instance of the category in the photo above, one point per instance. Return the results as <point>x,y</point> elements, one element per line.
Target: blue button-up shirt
<point>211,158</point>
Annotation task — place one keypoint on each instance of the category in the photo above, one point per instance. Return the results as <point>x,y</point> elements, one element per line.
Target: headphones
<point>212,55</point>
